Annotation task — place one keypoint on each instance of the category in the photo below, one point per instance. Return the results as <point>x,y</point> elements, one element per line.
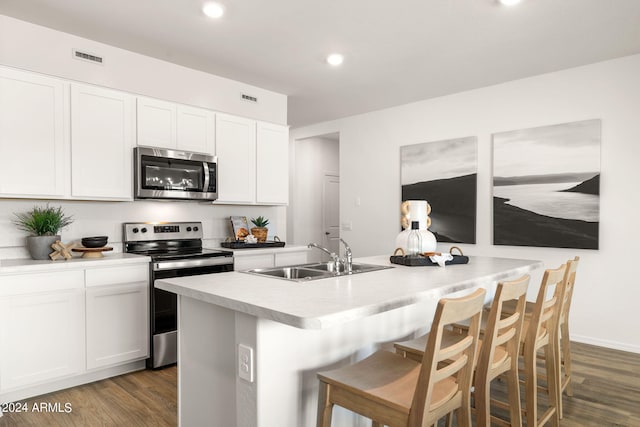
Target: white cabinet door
<point>42,334</point>
<point>117,315</point>
<point>102,135</point>
<point>196,129</point>
<point>272,164</point>
<point>236,151</point>
<point>291,258</point>
<point>32,142</point>
<point>156,123</point>
<point>247,262</point>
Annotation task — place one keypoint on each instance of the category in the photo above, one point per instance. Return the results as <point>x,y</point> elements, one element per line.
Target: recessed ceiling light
<point>510,2</point>
<point>335,59</point>
<point>213,10</point>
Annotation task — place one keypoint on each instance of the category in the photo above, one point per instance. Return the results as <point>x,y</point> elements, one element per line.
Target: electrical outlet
<point>245,362</point>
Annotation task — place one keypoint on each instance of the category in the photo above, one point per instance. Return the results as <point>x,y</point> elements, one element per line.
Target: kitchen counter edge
<point>26,265</point>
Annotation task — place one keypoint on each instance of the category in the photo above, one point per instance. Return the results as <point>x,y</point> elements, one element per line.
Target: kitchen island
<point>277,334</point>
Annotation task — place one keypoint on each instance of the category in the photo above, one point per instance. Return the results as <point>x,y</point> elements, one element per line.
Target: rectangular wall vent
<point>87,57</point>
<point>249,98</point>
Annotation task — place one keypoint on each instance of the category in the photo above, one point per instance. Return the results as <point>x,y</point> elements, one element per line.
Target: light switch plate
<point>245,362</point>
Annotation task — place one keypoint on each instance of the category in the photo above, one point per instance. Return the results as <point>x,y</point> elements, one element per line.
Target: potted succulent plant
<point>260,230</point>
<point>43,224</point>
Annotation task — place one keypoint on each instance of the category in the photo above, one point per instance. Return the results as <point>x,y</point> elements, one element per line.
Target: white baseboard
<point>85,378</point>
<point>606,343</point>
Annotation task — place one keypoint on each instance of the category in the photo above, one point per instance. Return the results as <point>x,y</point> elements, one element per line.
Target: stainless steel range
<point>176,250</point>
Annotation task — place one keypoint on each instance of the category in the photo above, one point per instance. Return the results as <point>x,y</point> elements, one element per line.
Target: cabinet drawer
<point>115,275</point>
<point>19,284</point>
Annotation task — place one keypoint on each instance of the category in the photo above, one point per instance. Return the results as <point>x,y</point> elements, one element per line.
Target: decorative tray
<point>243,245</point>
<point>425,261</point>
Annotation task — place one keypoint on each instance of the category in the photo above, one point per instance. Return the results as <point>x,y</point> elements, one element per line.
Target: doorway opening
<point>314,211</point>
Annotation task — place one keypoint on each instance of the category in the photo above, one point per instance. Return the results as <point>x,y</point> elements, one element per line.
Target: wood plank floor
<point>606,393</point>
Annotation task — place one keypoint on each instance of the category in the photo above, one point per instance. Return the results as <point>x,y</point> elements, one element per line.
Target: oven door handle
<point>203,262</point>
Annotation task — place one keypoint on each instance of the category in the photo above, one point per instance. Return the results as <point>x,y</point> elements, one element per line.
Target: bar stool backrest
<point>461,354</point>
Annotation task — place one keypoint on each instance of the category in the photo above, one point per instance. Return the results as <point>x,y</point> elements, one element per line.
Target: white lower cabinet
<point>117,315</point>
<point>62,328</point>
<point>42,329</point>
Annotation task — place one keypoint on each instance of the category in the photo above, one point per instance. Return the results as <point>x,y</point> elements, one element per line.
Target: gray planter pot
<point>39,247</point>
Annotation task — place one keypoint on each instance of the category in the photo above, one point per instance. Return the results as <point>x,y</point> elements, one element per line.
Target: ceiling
<point>395,52</point>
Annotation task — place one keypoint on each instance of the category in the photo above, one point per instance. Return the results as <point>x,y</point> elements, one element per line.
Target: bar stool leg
<point>566,357</point>
<point>325,408</point>
<point>513,390</point>
<point>552,381</point>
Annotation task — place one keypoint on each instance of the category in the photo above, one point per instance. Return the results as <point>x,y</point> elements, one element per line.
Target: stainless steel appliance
<point>172,174</point>
<point>176,250</point>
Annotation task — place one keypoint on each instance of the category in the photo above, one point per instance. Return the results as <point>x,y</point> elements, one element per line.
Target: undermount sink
<point>306,272</point>
<point>355,269</point>
<point>291,273</point>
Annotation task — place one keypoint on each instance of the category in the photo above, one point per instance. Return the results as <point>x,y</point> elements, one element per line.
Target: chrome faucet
<point>348,257</point>
<point>334,258</point>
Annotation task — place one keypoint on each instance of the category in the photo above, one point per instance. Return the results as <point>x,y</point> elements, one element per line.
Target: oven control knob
<point>144,230</point>
<point>135,230</point>
<point>195,228</point>
<point>188,228</point>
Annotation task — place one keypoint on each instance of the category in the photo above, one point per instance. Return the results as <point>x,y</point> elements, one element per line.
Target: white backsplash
<point>106,218</point>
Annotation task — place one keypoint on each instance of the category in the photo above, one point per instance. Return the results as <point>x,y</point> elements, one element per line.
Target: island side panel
<point>287,360</point>
<point>206,364</point>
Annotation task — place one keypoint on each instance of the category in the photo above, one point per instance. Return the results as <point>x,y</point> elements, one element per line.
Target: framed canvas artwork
<point>546,186</point>
<point>444,173</point>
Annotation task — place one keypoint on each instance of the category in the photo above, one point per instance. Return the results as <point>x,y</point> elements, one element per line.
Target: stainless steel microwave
<point>173,174</point>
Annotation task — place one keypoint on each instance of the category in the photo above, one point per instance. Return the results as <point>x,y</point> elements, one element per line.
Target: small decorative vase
<point>428,240</point>
<point>260,233</point>
<point>39,247</point>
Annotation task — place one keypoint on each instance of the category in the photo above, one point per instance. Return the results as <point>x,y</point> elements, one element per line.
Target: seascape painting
<point>444,173</point>
<point>546,186</point>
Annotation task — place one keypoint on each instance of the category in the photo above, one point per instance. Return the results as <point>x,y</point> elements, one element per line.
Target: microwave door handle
<point>205,187</point>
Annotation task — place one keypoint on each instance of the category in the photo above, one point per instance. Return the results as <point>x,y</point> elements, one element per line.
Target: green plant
<point>260,221</point>
<point>39,221</point>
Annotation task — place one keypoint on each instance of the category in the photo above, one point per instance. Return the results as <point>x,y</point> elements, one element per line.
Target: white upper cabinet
<point>196,129</point>
<point>236,151</point>
<point>103,134</point>
<point>32,141</point>
<point>272,164</point>
<point>175,126</point>
<point>157,125</point>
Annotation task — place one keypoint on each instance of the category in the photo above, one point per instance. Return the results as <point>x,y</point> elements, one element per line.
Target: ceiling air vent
<point>249,98</point>
<point>87,56</point>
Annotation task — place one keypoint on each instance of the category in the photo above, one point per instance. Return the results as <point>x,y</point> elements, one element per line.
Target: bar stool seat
<point>398,392</point>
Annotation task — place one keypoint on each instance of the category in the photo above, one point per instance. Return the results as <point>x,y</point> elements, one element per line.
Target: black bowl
<point>94,242</point>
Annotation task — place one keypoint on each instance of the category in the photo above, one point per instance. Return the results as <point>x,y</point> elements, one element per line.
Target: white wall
<point>605,304</point>
<point>313,158</point>
<point>36,48</point>
<point>106,218</point>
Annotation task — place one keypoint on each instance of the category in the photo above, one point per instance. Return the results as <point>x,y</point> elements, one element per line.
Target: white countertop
<point>320,304</point>
<point>26,265</point>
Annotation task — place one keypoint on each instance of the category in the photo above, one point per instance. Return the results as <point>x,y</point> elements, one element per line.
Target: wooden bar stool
<point>562,342</point>
<point>498,352</point>
<point>540,333</point>
<point>395,391</point>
